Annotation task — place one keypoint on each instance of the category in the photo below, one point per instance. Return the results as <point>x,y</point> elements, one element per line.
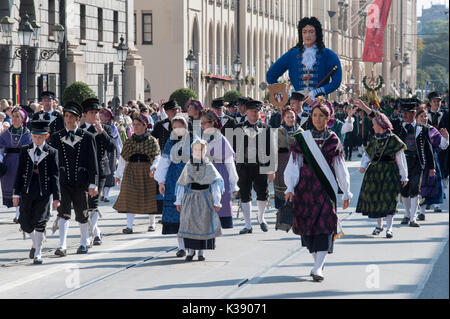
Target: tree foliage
<point>77,92</point>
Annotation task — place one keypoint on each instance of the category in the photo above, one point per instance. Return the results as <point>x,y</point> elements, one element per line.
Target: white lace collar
<point>309,57</point>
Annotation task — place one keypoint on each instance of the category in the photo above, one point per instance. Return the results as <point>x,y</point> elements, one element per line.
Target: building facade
<point>260,31</point>
<point>88,54</point>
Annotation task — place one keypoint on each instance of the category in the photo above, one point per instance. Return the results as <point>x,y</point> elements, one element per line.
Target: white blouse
<point>400,159</point>
<point>121,166</point>
<point>348,126</point>
<point>215,192</point>
<point>292,174</point>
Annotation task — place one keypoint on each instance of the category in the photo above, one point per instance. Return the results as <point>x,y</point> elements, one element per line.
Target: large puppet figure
<point>310,64</point>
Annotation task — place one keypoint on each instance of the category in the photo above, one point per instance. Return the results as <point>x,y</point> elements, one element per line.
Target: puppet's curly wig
<point>313,21</point>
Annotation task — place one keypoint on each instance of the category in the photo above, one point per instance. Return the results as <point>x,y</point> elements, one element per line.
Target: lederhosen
<point>78,169</point>
<point>35,182</point>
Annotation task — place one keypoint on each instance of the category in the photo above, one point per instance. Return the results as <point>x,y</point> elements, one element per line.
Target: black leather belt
<point>199,186</point>
<point>139,158</point>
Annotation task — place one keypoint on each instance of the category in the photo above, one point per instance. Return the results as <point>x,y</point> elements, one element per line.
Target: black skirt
<point>317,243</point>
<point>198,244</point>
<point>170,228</point>
<point>226,222</point>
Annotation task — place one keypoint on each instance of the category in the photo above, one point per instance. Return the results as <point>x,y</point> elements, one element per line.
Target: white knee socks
<point>39,237</point>
<point>414,202</point>
<point>261,208</point>
<point>320,261</point>
<point>379,222</point>
<point>152,220</point>
<point>389,220</point>
<point>422,209</point>
<point>246,208</point>
<point>94,223</point>
<point>33,239</point>
<point>191,252</point>
<point>106,192</point>
<point>407,204</point>
<point>17,212</point>
<point>130,220</point>
<point>63,228</point>
<point>180,243</point>
<point>84,234</point>
<point>200,252</point>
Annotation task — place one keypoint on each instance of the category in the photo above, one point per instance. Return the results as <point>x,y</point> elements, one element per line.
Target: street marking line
<point>44,273</point>
<point>427,276</point>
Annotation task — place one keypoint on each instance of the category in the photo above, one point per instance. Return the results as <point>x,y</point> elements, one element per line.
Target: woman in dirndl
<point>315,163</point>
<point>222,155</point>
<point>386,172</point>
<point>138,160</point>
<point>174,157</point>
<point>11,141</point>
<point>107,118</point>
<point>431,189</point>
<point>285,140</point>
<point>199,191</point>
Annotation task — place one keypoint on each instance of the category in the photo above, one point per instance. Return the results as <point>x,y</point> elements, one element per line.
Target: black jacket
<point>48,171</point>
<point>423,143</point>
<point>78,159</point>
<point>229,122</point>
<point>104,143</point>
<point>161,133</point>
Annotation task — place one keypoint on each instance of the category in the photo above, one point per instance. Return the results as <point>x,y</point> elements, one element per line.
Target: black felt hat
<point>48,94</point>
<point>297,96</point>
<point>243,100</point>
<point>40,127</point>
<point>408,105</point>
<point>217,103</point>
<point>74,108</point>
<point>171,105</point>
<point>434,95</point>
<point>253,105</point>
<point>91,104</point>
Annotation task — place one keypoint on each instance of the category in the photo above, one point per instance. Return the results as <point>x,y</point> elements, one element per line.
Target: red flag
<point>377,15</point>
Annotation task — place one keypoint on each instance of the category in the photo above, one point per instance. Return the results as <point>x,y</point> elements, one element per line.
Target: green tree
<point>181,96</point>
<point>77,92</point>
<point>231,96</point>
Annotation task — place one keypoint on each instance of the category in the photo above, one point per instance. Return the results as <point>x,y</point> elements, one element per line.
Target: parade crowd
<point>182,162</point>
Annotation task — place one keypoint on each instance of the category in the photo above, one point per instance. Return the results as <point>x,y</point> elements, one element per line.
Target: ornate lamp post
<point>237,67</point>
<point>59,32</point>
<point>122,52</point>
<point>26,32</point>
<point>190,62</point>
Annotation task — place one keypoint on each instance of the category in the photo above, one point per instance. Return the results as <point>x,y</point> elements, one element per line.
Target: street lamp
<point>122,52</point>
<point>58,33</point>
<point>25,35</point>
<point>237,67</point>
<point>190,62</point>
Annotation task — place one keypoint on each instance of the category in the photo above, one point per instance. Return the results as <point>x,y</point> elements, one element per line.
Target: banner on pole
<point>377,15</point>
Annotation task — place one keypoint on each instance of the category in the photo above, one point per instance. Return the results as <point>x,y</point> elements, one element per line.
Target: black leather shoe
<point>37,261</point>
<point>15,220</point>
<point>190,257</point>
<point>377,230</point>
<point>421,217</point>
<point>245,231</point>
<point>201,258</point>
<point>389,234</point>
<point>181,253</point>
<point>437,210</point>
<point>317,278</point>
<point>413,224</point>
<point>102,199</point>
<point>405,221</point>
<point>106,200</point>
<point>127,230</point>
<point>32,251</point>
<point>97,240</point>
<point>428,207</point>
<point>82,250</point>
<point>151,228</point>
<point>264,227</point>
<point>61,252</point>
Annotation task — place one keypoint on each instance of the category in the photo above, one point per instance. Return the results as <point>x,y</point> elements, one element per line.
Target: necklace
<point>17,140</point>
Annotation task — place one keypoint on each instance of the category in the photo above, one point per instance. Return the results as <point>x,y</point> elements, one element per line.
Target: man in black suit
<point>48,114</point>
<point>419,155</point>
<point>78,175</point>
<point>252,163</point>
<point>227,121</point>
<point>104,143</point>
<point>36,180</point>
<point>241,116</point>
